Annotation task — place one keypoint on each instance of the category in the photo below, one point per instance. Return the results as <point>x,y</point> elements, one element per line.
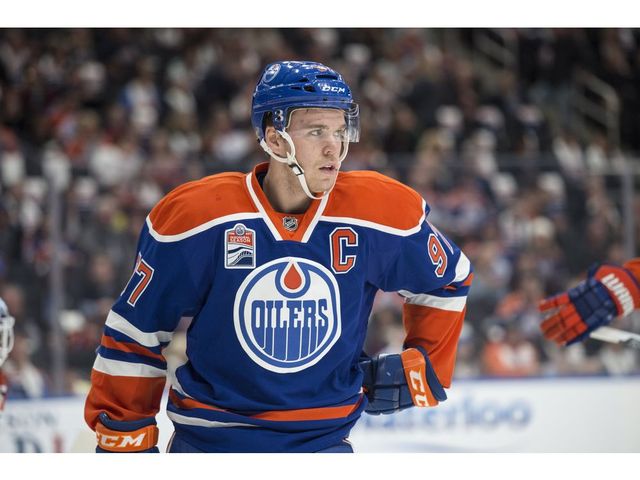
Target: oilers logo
<point>287,314</point>
<point>271,73</point>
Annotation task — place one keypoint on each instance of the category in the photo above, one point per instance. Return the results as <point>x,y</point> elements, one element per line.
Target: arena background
<point>524,142</point>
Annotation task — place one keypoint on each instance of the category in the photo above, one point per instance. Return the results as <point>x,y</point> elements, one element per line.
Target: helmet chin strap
<point>292,162</point>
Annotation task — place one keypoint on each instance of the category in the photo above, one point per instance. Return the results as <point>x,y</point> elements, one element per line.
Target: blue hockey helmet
<point>288,85</point>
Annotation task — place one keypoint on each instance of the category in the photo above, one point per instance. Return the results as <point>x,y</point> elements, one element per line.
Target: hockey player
<point>6,344</point>
<point>608,292</point>
<point>279,269</point>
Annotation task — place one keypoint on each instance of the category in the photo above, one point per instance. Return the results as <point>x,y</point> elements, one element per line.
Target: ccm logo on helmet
<point>328,88</point>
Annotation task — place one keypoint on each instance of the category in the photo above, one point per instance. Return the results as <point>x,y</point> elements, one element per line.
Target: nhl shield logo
<point>290,223</point>
<point>287,314</point>
<point>240,247</point>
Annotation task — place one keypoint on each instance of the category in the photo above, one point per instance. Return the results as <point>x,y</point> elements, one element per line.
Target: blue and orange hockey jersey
<point>280,305</point>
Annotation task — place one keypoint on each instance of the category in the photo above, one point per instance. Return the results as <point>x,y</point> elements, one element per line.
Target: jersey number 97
<point>144,272</point>
<point>437,255</point>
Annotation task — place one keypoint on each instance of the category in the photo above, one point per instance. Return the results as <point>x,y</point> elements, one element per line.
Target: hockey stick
<point>615,335</point>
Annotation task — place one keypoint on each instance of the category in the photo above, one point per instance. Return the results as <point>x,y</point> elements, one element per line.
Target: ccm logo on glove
<point>135,441</point>
<point>413,363</point>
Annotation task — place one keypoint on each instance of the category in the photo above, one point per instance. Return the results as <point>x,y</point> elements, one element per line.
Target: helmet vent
<point>309,88</point>
<point>327,76</point>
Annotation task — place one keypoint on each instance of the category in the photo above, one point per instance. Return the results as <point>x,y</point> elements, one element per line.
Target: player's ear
<point>275,141</point>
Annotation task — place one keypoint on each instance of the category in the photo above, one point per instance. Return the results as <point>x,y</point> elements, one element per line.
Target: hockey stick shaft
<point>615,335</point>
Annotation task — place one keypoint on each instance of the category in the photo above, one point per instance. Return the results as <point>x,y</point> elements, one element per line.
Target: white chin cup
<point>292,162</point>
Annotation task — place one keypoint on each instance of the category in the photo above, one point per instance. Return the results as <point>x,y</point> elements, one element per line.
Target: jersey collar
<point>274,220</point>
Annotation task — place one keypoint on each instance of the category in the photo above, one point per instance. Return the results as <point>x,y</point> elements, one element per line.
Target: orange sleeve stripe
<point>128,347</point>
<point>122,398</point>
<point>437,331</point>
<point>467,283</point>
<point>199,202</point>
<point>380,200</point>
<point>325,413</point>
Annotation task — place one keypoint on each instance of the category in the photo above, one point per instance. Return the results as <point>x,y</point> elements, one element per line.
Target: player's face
<point>318,135</point>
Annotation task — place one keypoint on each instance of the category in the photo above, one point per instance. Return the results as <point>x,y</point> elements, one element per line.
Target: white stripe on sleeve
<point>463,268</point>
<point>118,368</point>
<point>452,304</point>
<point>119,323</point>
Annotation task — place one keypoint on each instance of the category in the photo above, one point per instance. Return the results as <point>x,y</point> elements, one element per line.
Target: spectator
<point>509,354</point>
<point>125,115</point>
<point>25,379</point>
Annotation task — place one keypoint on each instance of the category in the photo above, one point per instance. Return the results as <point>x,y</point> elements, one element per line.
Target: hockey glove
<point>138,436</point>
<point>608,291</point>
<point>394,382</point>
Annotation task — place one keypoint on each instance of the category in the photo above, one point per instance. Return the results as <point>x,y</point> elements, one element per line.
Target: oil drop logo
<point>287,314</point>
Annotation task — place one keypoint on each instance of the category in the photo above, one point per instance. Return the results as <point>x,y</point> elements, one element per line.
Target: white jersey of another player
<point>6,344</point>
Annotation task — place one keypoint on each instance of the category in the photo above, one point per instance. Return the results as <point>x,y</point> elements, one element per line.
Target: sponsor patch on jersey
<point>287,314</point>
<point>240,247</point>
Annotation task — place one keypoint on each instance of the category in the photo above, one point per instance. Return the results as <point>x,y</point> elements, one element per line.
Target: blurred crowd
<point>116,118</point>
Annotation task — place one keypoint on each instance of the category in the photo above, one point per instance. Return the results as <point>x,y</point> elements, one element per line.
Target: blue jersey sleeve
<point>169,281</point>
<point>434,276</point>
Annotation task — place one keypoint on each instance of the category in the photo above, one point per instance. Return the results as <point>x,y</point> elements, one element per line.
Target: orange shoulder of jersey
<point>196,203</point>
<point>372,197</point>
